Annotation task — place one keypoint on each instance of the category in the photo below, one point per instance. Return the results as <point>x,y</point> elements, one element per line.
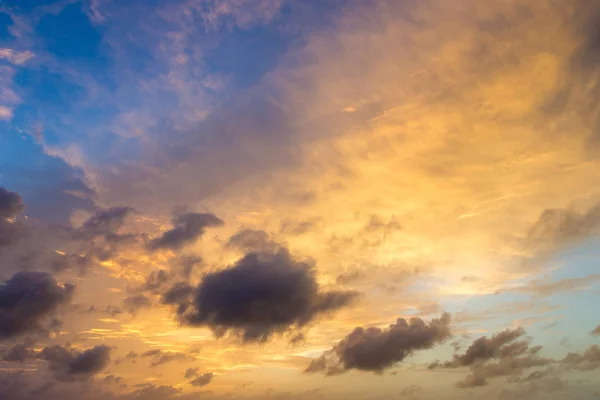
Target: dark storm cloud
<point>375,349</point>
<point>187,227</point>
<point>504,354</point>
<point>196,379</point>
<point>11,203</point>
<point>68,363</point>
<point>261,294</point>
<point>27,299</point>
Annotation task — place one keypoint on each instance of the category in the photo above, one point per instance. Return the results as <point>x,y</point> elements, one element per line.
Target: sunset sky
<point>299,199</point>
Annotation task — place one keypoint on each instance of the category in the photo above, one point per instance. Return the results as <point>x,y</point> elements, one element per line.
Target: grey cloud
<point>104,222</point>
<point>190,373</point>
<point>586,361</point>
<point>251,240</point>
<point>197,379</point>
<point>160,357</point>
<point>11,203</point>
<point>11,232</point>
<point>68,363</point>
<point>375,349</point>
<point>296,228</point>
<point>557,227</point>
<point>261,294</point>
<point>187,227</point>
<point>136,302</point>
<point>484,348</point>
<point>19,352</point>
<point>504,354</point>
<point>27,299</point>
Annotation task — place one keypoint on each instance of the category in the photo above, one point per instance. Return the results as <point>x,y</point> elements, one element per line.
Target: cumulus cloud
<point>504,354</point>
<point>70,363</point>
<point>261,294</point>
<point>27,299</point>
<point>187,227</point>
<point>376,349</point>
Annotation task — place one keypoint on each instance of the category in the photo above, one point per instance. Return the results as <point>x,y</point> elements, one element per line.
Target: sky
<point>299,199</point>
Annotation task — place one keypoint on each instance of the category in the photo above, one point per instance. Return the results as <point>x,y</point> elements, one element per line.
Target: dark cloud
<point>586,361</point>
<point>11,231</point>
<point>504,354</point>
<point>261,294</point>
<point>104,222</point>
<point>375,349</point>
<point>11,204</point>
<point>190,373</point>
<point>27,299</point>
<point>484,348</point>
<point>251,240</point>
<point>160,357</point>
<point>187,227</point>
<point>68,363</point>
<point>197,379</point>
<point>19,352</point>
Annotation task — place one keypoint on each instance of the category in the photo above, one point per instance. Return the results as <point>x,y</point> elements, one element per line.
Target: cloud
<point>252,240</point>
<point>196,379</point>
<point>261,294</point>
<point>187,227</point>
<point>6,113</point>
<point>596,331</point>
<point>69,363</point>
<point>27,299</point>
<point>19,352</point>
<point>104,222</point>
<point>11,203</point>
<point>501,355</point>
<point>160,357</point>
<point>376,349</point>
<point>542,288</point>
<point>559,227</point>
<point>588,361</point>
<point>15,57</point>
